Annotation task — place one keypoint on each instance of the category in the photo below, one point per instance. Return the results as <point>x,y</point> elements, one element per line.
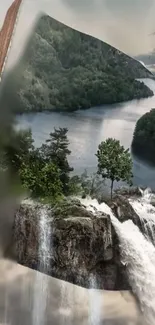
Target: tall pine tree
<point>56,151</point>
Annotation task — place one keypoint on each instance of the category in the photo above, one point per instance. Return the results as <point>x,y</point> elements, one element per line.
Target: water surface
<point>88,128</point>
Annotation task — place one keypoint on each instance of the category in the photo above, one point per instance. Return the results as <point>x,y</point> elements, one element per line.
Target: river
<point>89,127</point>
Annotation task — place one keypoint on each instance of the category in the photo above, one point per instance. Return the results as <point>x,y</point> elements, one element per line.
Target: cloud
<point>114,6</point>
<point>128,7</point>
<point>3,7</point>
<point>125,24</point>
<point>80,4</point>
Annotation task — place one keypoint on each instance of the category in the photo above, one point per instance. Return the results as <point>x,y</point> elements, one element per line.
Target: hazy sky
<point>125,24</point>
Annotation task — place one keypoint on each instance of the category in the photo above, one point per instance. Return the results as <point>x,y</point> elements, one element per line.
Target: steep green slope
<point>143,144</point>
<point>66,69</point>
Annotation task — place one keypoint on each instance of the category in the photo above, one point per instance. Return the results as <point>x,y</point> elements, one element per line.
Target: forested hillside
<point>64,69</point>
<point>143,144</point>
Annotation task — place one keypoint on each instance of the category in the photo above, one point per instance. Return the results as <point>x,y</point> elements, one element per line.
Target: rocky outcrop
<point>123,210</point>
<point>129,192</point>
<point>84,247</point>
<point>74,244</point>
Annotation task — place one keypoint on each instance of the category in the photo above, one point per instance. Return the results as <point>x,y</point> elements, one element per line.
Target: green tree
<point>74,185</point>
<point>42,180</point>
<point>143,143</point>
<point>17,149</point>
<point>114,162</point>
<point>37,174</point>
<point>56,151</point>
<point>91,184</point>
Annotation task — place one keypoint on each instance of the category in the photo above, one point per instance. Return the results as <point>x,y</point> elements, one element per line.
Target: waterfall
<point>146,213</point>
<point>66,304</point>
<point>94,206</point>
<point>95,303</point>
<point>95,300</point>
<point>137,252</point>
<point>41,284</point>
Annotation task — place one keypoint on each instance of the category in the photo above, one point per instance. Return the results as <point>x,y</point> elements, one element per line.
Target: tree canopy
<point>143,144</point>
<point>18,148</point>
<point>44,171</point>
<point>114,162</point>
<point>56,151</point>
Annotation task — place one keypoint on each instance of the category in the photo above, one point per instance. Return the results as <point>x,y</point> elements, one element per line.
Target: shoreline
<point>58,110</point>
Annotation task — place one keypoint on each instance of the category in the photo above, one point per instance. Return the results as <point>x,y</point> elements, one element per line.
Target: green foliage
<point>17,148</point>
<point>74,185</point>
<point>114,162</point>
<point>56,151</point>
<point>44,182</point>
<point>68,70</point>
<point>91,184</point>
<point>43,171</point>
<point>143,143</point>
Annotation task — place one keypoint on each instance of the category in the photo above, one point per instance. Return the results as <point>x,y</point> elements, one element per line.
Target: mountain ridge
<point>64,69</point>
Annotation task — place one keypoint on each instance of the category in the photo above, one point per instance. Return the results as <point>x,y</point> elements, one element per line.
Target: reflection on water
<point>88,128</point>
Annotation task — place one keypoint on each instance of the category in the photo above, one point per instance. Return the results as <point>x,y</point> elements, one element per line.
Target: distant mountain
<point>148,59</point>
<point>63,69</point>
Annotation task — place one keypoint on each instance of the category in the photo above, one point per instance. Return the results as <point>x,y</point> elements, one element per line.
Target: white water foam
<point>41,282</point>
<point>66,304</point>
<point>146,212</point>
<point>137,253</point>
<point>94,206</point>
<point>95,303</point>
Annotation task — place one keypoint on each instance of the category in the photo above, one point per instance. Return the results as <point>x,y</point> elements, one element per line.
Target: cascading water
<point>41,284</point>
<point>137,252</point>
<point>93,206</point>
<point>95,303</point>
<point>146,213</point>
<point>66,309</point>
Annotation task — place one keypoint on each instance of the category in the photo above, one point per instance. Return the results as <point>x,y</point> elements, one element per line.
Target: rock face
<point>123,210</point>
<point>83,247</point>
<point>129,192</point>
